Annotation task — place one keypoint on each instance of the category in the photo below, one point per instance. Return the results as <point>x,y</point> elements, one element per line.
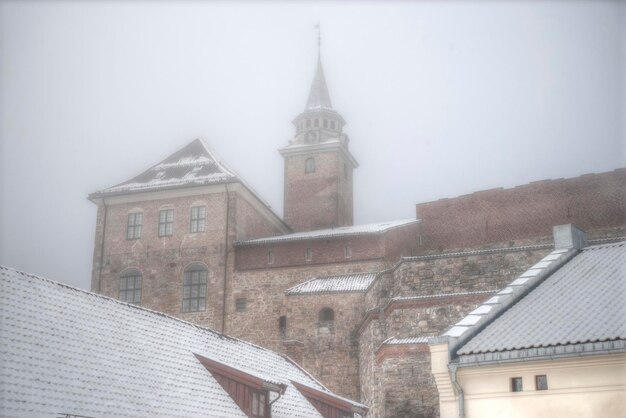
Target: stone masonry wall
<point>417,298</point>
<point>593,202</point>
<point>323,353</point>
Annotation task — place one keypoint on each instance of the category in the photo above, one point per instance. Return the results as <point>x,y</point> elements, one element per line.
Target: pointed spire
<point>319,97</point>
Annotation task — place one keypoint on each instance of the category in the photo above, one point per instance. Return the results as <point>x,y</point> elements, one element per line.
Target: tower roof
<point>319,97</point>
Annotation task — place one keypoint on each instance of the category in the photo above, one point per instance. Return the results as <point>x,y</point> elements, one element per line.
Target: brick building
<point>353,304</point>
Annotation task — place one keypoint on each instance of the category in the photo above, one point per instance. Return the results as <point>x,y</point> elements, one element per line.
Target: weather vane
<point>319,39</point>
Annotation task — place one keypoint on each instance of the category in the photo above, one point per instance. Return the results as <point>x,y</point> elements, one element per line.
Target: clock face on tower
<point>310,137</point>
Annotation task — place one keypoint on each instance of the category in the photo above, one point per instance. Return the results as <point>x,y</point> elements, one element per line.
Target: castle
<point>352,304</point>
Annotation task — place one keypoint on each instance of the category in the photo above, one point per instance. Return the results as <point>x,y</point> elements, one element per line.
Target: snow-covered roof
<point>581,302</point>
<point>193,165</point>
<point>408,340</point>
<point>376,228</point>
<point>68,351</point>
<point>354,282</point>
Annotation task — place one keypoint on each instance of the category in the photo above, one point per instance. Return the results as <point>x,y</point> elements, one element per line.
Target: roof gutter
<point>104,228</point>
<point>225,260</point>
<point>459,390</point>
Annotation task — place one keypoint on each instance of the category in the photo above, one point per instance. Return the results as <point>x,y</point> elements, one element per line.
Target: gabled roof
<point>193,165</point>
<point>354,282</point>
<point>367,229</point>
<point>318,96</point>
<point>578,307</point>
<point>67,351</point>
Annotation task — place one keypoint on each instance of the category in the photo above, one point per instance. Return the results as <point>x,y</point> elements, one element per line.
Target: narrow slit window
<point>348,251</point>
<point>166,222</point>
<point>241,304</point>
<point>309,254</point>
<point>282,325</point>
<point>270,257</point>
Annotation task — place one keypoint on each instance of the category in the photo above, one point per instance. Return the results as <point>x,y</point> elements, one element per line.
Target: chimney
<point>569,236</point>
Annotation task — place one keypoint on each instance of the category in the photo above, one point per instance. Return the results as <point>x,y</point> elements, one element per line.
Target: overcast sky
<point>440,99</point>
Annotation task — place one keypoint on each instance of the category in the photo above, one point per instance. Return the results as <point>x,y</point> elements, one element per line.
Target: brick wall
<point>389,247</point>
<point>320,199</point>
<point>594,202</point>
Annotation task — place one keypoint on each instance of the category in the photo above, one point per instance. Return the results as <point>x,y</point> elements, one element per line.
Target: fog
<point>440,99</point>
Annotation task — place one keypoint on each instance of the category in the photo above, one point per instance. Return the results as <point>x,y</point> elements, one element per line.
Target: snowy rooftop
<point>377,228</point>
<point>581,302</point>
<point>67,351</point>
<point>192,165</point>
<point>355,282</point>
<point>408,340</point>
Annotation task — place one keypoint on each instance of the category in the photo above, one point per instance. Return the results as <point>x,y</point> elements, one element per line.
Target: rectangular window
<point>270,257</point>
<point>282,326</point>
<point>133,228</point>
<point>240,304</point>
<point>130,288</point>
<point>309,254</point>
<point>541,382</point>
<point>258,404</point>
<point>166,222</point>
<point>194,290</point>
<point>348,251</point>
<point>198,219</point>
<point>516,384</point>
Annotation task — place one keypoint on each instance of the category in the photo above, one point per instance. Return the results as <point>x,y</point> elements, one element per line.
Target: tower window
<point>166,222</point>
<point>541,382</point>
<point>325,123</point>
<point>316,123</point>
<point>270,257</point>
<point>332,124</point>
<point>308,123</point>
<point>516,384</point>
<point>198,219</point>
<point>194,288</point>
<point>348,251</point>
<point>130,286</point>
<point>309,165</point>
<point>282,325</point>
<point>309,254</point>
<point>133,228</point>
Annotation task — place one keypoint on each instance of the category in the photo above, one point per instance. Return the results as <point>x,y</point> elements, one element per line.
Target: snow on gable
<point>192,165</point>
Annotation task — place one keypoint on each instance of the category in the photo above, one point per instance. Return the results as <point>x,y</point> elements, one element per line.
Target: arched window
<point>309,165</point>
<point>327,315</point>
<point>194,288</point>
<point>130,286</point>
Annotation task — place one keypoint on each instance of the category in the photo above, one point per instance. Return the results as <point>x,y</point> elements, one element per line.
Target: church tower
<point>318,165</point>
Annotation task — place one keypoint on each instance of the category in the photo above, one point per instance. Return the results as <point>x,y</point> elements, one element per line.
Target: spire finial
<point>319,40</point>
